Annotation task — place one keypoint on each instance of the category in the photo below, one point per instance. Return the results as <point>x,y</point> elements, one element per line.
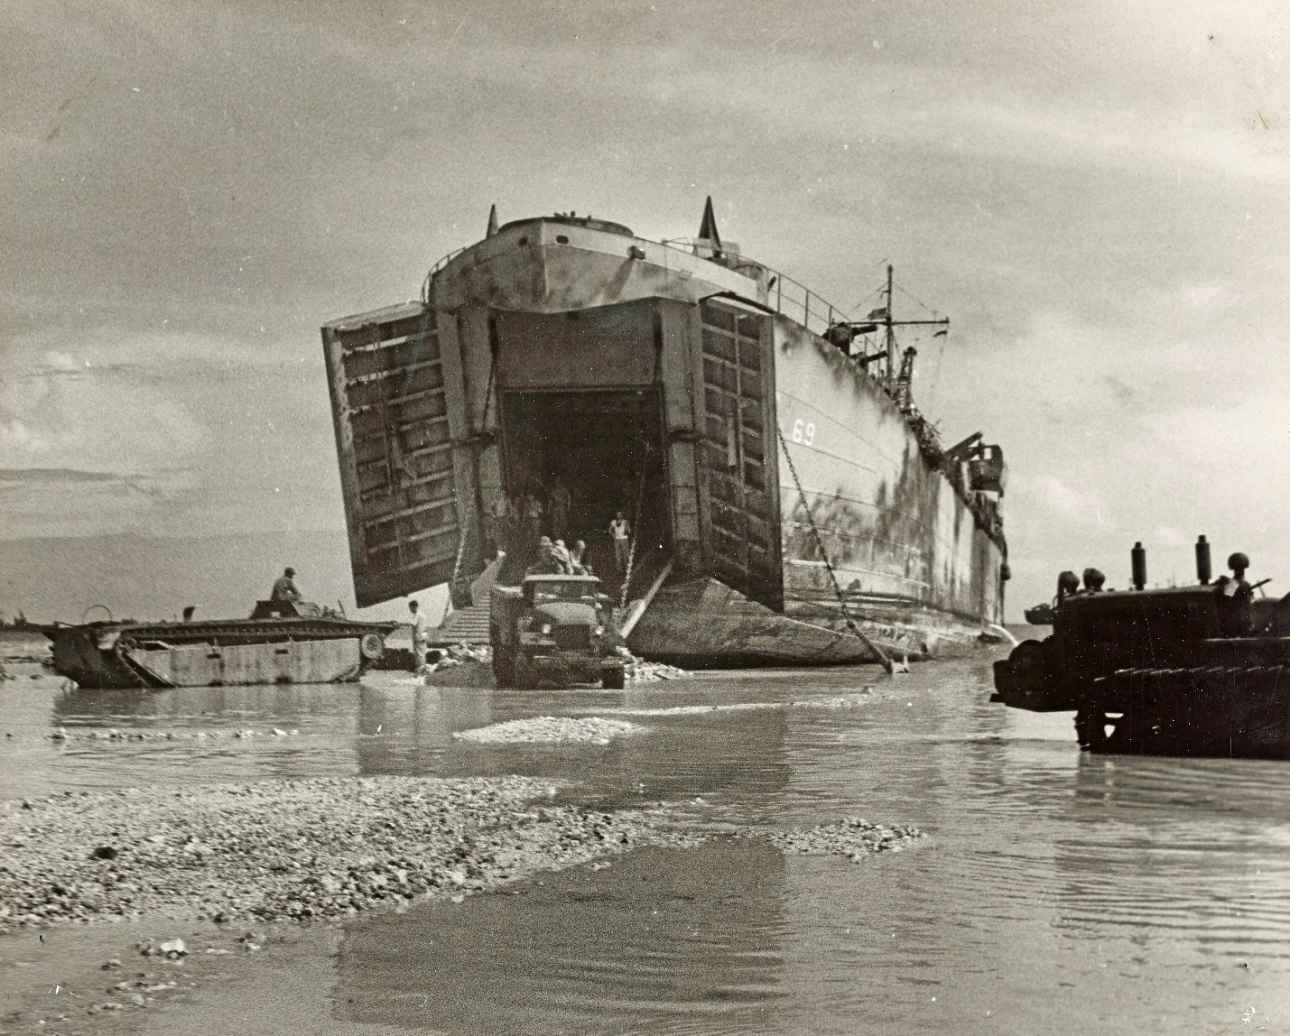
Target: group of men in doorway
<point>539,523</point>
<point>530,514</point>
<point>554,558</point>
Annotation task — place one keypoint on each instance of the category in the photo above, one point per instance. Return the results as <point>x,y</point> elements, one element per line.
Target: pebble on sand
<point>302,849</point>
<point>467,665</point>
<point>551,730</point>
<point>854,838</point>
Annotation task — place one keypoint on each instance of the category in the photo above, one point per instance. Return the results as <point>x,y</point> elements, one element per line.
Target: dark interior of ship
<point>603,447</point>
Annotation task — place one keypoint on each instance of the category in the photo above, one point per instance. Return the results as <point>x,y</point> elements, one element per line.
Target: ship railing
<point>443,261</point>
<point>786,296</point>
<point>797,302</point>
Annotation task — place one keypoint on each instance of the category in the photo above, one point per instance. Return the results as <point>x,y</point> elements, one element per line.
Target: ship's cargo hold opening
<point>604,449</point>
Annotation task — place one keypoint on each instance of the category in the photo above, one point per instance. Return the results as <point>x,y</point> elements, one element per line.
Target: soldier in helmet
<point>1067,585</point>
<point>548,561</point>
<point>1094,580</point>
<point>284,587</point>
<point>1235,598</point>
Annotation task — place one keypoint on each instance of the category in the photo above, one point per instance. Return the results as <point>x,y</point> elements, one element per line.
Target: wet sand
<point>1050,892</point>
<point>308,848</point>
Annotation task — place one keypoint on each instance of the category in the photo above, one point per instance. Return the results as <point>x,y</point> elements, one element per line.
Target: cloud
<point>1168,536</point>
<point>93,420</point>
<point>30,476</point>
<point>212,443</point>
<point>17,438</point>
<point>1075,505</point>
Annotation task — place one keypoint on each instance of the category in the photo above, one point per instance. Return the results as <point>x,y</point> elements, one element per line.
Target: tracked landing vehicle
<point>1193,670</point>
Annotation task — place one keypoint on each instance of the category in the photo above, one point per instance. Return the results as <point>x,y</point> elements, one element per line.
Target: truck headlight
<point>546,629</point>
<point>599,631</point>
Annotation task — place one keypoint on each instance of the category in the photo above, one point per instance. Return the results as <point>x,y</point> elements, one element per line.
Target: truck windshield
<point>565,592</point>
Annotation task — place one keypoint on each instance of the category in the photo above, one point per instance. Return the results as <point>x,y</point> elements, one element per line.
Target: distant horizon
<point>155,577</point>
<point>136,534</point>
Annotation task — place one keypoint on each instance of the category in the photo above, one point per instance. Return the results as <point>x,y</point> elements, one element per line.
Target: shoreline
<point>302,848</point>
<point>116,902</point>
<point>204,887</point>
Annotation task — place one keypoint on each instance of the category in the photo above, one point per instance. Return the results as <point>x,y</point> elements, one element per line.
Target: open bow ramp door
<point>394,440</point>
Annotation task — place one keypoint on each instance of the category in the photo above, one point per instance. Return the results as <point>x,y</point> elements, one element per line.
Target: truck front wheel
<point>613,679</point>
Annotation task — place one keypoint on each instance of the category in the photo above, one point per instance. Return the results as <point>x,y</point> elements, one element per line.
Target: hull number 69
<point>804,432</point>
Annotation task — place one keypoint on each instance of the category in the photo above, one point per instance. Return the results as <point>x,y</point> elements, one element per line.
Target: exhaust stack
<point>1204,567</point>
<point>1138,557</point>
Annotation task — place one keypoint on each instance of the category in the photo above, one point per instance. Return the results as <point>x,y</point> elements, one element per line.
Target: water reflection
<point>1169,849</point>
<point>670,941</point>
<point>1057,891</point>
<point>407,729</point>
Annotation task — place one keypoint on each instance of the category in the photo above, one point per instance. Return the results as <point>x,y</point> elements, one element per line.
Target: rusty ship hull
<point>790,504</point>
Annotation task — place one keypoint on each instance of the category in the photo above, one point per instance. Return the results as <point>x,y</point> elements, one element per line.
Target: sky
<point>1097,194</point>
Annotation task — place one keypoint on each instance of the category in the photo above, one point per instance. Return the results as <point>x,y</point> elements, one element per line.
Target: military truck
<point>554,627</point>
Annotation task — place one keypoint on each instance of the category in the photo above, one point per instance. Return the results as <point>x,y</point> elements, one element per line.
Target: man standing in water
<point>420,636</point>
<point>284,587</point>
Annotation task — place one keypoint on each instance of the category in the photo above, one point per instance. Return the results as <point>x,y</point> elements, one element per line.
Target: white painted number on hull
<point>804,432</point>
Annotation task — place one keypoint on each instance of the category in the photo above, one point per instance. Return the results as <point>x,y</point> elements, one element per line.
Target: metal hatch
<point>395,448</point>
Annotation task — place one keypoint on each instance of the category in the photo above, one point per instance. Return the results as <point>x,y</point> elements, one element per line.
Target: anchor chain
<point>886,661</point>
<point>636,525</point>
<point>456,569</point>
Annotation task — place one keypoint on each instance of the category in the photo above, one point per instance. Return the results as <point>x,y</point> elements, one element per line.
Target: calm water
<point>1058,892</point>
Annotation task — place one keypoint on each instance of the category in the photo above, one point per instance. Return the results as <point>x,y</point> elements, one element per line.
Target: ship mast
<point>890,324</point>
<point>891,334</point>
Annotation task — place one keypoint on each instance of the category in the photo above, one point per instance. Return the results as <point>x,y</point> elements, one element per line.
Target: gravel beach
<point>301,849</point>
<point>551,730</point>
<point>466,666</point>
<point>855,838</point>
<point>837,701</point>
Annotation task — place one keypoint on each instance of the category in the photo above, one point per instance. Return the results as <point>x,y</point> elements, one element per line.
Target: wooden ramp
<point>464,626</point>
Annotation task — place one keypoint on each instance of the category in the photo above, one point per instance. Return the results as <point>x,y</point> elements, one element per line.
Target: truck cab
<point>554,627</point>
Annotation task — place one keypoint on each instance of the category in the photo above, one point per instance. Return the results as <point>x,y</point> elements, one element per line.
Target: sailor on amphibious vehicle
<point>1235,598</point>
<point>284,587</point>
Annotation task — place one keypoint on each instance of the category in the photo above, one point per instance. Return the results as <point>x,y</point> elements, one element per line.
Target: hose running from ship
<point>456,571</point>
<point>883,657</point>
<point>656,379</point>
<point>636,535</point>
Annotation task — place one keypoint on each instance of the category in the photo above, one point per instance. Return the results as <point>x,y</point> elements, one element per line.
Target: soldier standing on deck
<point>620,531</point>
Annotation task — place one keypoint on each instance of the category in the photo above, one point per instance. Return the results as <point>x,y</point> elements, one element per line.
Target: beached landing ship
<point>1192,670</point>
<point>789,504</point>
<point>281,642</point>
